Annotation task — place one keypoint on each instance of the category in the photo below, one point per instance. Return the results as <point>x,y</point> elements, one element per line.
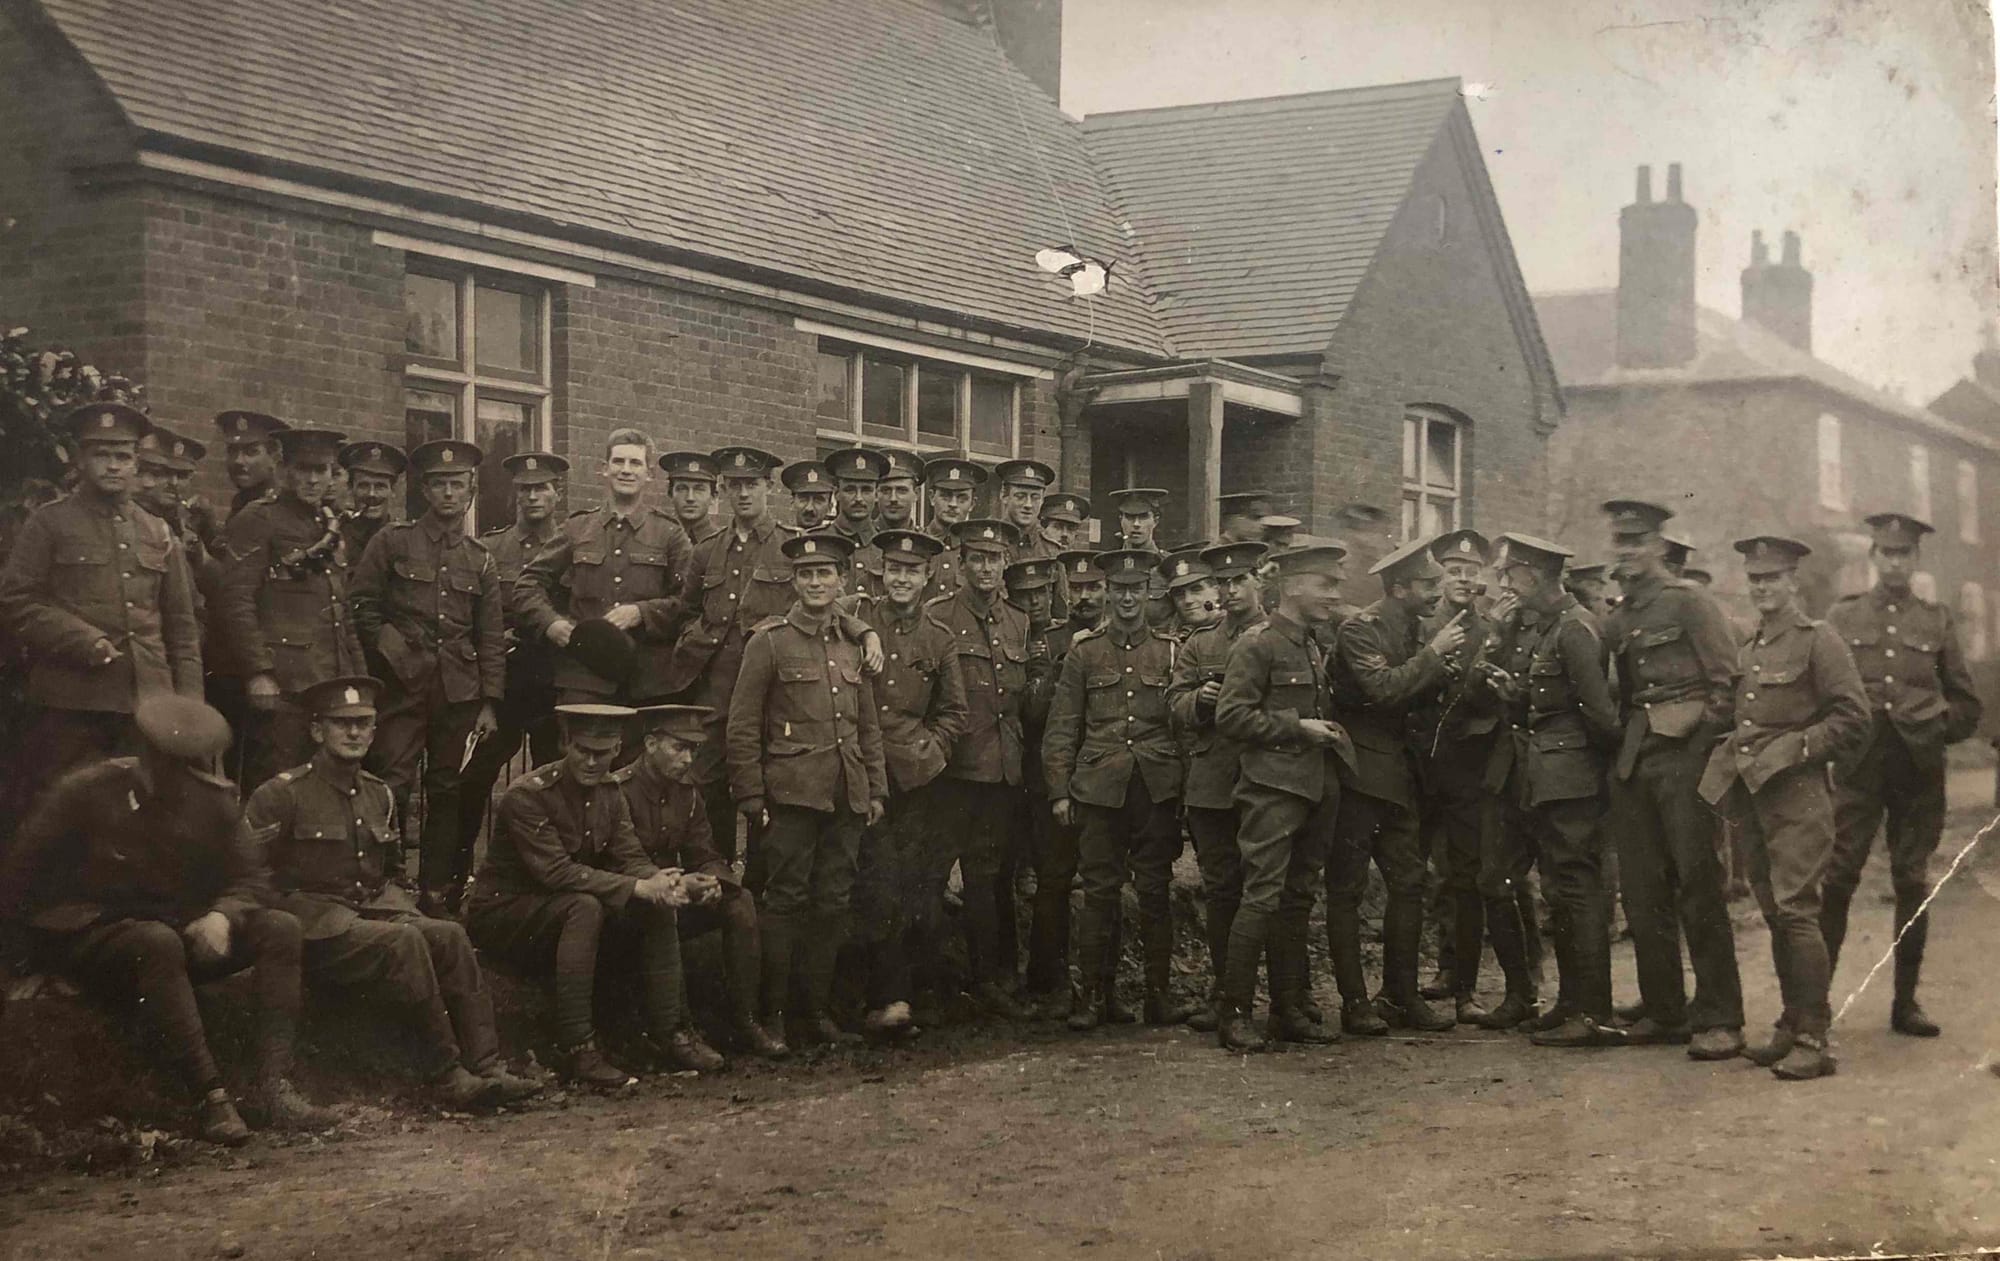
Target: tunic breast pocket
<point>1152,696</point>
<point>1103,695</point>
<point>149,560</point>
<point>464,585</point>
<point>975,662</point>
<point>1294,690</point>
<point>1664,656</point>
<point>586,576</point>
<point>80,564</point>
<point>648,576</point>
<point>769,593</point>
<point>1778,693</point>
<point>412,572</point>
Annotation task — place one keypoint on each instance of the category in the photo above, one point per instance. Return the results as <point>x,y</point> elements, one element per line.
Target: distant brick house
<point>795,223</point>
<point>1736,424</point>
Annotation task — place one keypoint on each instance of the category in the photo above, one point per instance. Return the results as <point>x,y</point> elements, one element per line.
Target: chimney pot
<point>1645,192</point>
<point>1656,257</point>
<point>1673,181</point>
<point>1791,249</point>
<point>1758,254</point>
<point>1777,297</point>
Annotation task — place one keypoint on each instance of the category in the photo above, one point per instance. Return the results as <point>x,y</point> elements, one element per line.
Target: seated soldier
<point>564,871</point>
<point>329,834</point>
<point>136,878</point>
<point>672,825</point>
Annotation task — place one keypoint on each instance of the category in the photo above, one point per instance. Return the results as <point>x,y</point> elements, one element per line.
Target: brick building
<point>796,223</point>
<point>1736,424</point>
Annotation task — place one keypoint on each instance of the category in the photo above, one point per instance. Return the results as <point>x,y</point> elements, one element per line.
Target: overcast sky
<point>1864,125</point>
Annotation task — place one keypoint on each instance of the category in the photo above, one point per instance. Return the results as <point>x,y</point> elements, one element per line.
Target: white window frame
<point>1968,502</point>
<point>1972,615</point>
<point>1418,491</point>
<point>1832,468</point>
<point>914,366</point>
<point>1920,481</point>
<point>465,380</point>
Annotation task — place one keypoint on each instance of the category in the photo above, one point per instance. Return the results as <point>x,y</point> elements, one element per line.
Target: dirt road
<point>1154,1144</point>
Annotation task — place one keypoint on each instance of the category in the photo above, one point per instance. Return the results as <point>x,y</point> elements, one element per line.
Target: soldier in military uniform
<point>1242,516</point>
<point>328,829</point>
<point>1676,665</point>
<point>1192,588</point>
<point>1921,700</point>
<point>1114,768</point>
<point>952,484</point>
<point>1024,487</point>
<point>136,878</point>
<point>1590,584</point>
<point>281,614</point>
<point>1800,708</point>
<point>979,795</point>
<point>97,593</point>
<point>1062,520</point>
<point>1274,706</point>
<point>623,562</point>
<point>566,880</point>
<point>250,455</point>
<point>691,493</point>
<point>857,472</point>
<point>896,493</point>
<point>429,606</point>
<point>372,470</point>
<point>811,487</point>
<point>165,488</point>
<point>527,705</point>
<point>805,760</point>
<point>1545,777</point>
<point>1384,668</point>
<point>1031,585</point>
<point>667,814</point>
<point>1208,796</point>
<point>1056,853</point>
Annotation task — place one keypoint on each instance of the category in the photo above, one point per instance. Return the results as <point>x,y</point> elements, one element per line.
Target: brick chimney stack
<point>1656,276</point>
<point>1986,362</point>
<point>1031,34</point>
<point>1778,296</point>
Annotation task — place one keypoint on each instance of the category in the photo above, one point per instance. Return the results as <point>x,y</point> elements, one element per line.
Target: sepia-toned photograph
<point>1200,630</point>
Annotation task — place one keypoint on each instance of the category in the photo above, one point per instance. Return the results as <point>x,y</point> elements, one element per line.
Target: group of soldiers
<point>789,735</point>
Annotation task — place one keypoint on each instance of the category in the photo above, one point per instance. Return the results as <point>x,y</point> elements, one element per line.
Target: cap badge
<point>812,474</point>
<point>530,463</point>
<point>1131,563</point>
<point>741,459</point>
<point>242,424</point>
<point>810,546</point>
<point>1180,569</point>
<point>106,420</point>
<point>351,696</point>
<point>180,448</point>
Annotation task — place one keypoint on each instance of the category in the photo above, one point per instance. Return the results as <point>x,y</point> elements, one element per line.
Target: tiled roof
<point>875,146</point>
<point>1582,334</point>
<point>1258,219</point>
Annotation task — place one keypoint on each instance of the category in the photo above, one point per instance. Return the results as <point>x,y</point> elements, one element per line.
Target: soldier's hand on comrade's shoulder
<point>263,691</point>
<point>872,659</point>
<point>1319,731</point>
<point>208,938</point>
<point>1062,810</point>
<point>1450,637</point>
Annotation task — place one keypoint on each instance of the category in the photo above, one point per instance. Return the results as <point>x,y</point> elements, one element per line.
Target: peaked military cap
<point>1074,509</point>
<point>1765,554</point>
<point>1226,560</point>
<point>595,720</point>
<point>603,649</point>
<point>686,723</point>
<point>531,468</point>
<point>1463,545</point>
<point>744,462</point>
<point>1318,556</point>
<point>1898,529</point>
<point>1128,565</point>
<point>828,546</point>
<point>1697,575</point>
<point>858,464</point>
<point>807,477</point>
<point>1675,548</point>
<point>349,696</point>
<point>446,455</point>
<point>987,534</point>
<point>295,443</point>
<point>1279,529</point>
<point>1185,567</point>
<point>107,422</point>
<point>1081,566</point>
<point>1245,503</point>
<point>1029,575</point>
<point>373,457</point>
<point>1636,516</point>
<point>1526,549</point>
<point>164,447</point>
<point>1025,473</point>
<point>1595,571</point>
<point>951,473</point>
<point>902,464</point>
<point>181,726</point>
<point>907,545</point>
<point>1407,563</point>
<point>1138,499</point>
<point>693,466</point>
<point>239,427</point>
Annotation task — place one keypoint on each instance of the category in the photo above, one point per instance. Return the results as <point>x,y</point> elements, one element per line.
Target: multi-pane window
<point>477,368</point>
<point>1920,480</point>
<point>1972,617</point>
<point>1432,468</point>
<point>1968,502</point>
<point>1832,472</point>
<point>886,399</point>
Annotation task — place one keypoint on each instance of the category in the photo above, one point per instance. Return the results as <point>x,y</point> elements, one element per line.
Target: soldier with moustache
<point>623,562</point>
<point>250,460</point>
<point>1920,701</point>
<point>429,606</point>
<point>952,485</point>
<point>810,484</point>
<point>372,470</point>
<point>328,829</point>
<point>667,813</point>
<point>164,486</point>
<point>1208,795</point>
<point>806,762</point>
<point>691,477</point>
<point>250,455</point>
<point>920,698</point>
<point>282,614</point>
<point>982,784</point>
<point>1275,707</point>
<point>1675,658</point>
<point>857,472</point>
<point>1384,667</point>
<point>1545,777</point>
<point>527,703</point>
<point>1800,709</point>
<point>896,492</point>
